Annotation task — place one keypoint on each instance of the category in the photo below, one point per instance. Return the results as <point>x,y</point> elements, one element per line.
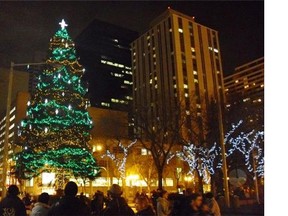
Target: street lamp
<point>7,123</point>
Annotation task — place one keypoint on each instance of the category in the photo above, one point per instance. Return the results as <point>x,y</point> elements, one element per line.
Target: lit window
<point>180,30</point>
<point>185,86</point>
<point>12,126</point>
<point>262,85</point>
<point>198,106</point>
<point>145,151</point>
<point>192,49</point>
<point>12,118</point>
<point>186,95</point>
<point>195,80</point>
<point>11,135</point>
<point>198,114</point>
<point>175,86</point>
<point>187,112</point>
<point>170,30</point>
<point>246,86</point>
<point>246,99</point>
<point>259,100</point>
<point>226,89</point>
<point>236,81</point>
<point>115,40</point>
<point>105,104</point>
<point>216,50</point>
<point>150,81</point>
<point>156,86</point>
<point>228,105</point>
<point>128,82</point>
<point>195,72</point>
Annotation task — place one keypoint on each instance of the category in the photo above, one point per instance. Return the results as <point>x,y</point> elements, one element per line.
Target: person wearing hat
<point>118,205</point>
<point>12,205</point>
<point>69,204</point>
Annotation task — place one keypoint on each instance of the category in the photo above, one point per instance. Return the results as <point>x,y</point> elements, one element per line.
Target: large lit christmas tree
<point>55,134</point>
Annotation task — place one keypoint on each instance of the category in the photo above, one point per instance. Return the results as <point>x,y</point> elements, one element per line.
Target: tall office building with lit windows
<point>177,59</point>
<point>104,51</point>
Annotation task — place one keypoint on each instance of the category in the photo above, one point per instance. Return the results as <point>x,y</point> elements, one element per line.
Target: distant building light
<point>180,30</point>
<point>105,104</point>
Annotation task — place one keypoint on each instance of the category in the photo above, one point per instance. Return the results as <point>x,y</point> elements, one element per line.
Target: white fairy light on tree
<point>120,162</point>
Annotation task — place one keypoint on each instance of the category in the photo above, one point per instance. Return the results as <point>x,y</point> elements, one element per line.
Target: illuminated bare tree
<point>120,159</point>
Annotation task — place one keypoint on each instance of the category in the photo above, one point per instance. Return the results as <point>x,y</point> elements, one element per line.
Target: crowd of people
<point>161,203</point>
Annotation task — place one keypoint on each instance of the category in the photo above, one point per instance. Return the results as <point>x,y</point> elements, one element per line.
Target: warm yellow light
<point>188,178</point>
<point>99,148</point>
<point>133,177</point>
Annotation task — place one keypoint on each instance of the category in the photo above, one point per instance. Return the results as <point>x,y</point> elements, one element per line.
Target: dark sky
<point>26,27</point>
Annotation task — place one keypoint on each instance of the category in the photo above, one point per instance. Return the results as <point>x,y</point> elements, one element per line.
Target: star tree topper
<point>63,24</point>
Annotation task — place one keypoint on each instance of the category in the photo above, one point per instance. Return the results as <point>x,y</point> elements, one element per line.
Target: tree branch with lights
<point>120,160</point>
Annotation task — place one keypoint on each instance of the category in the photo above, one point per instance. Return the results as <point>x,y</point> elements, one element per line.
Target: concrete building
<point>177,60</point>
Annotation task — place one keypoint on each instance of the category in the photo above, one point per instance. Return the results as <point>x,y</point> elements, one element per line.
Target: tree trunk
<point>160,177</point>
<point>199,186</point>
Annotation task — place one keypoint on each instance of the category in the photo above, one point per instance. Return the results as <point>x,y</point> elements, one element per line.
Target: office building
<point>246,83</point>
<point>104,51</point>
<point>244,91</point>
<point>177,60</point>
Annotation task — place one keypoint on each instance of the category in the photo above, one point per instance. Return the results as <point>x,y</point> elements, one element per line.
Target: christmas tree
<point>55,133</point>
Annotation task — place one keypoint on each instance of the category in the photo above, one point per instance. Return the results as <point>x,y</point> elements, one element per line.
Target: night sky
<point>26,27</point>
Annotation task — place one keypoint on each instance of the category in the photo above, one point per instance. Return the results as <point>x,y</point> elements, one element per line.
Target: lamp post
<point>223,152</point>
<point>7,123</point>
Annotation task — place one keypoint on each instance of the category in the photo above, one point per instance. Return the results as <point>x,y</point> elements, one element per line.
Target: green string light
<point>56,129</point>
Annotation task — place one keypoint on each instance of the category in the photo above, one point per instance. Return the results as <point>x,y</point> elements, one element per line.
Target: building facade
<point>104,51</point>
<point>246,83</point>
<point>244,91</point>
<point>177,60</point>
